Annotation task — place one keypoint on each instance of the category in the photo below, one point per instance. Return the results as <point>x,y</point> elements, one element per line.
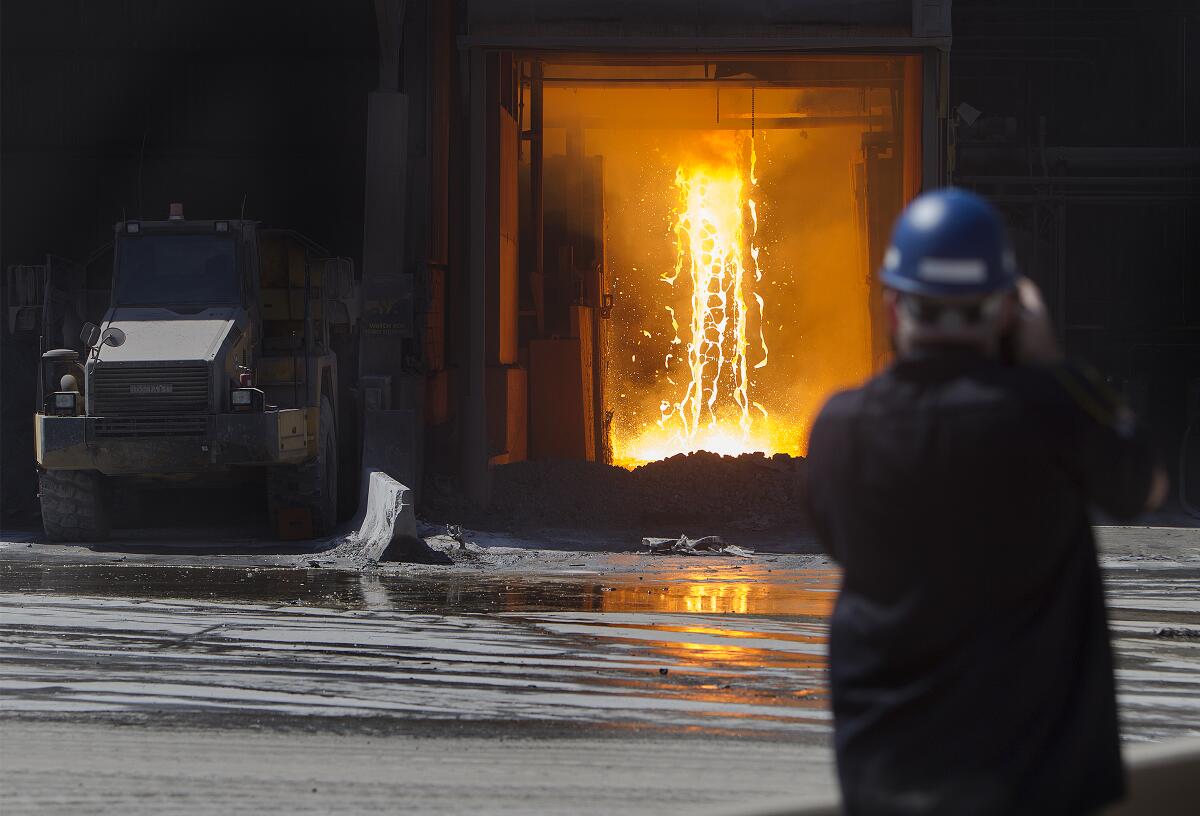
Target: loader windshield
<point>178,269</point>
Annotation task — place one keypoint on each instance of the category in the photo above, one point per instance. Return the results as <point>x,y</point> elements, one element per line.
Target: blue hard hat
<point>949,243</point>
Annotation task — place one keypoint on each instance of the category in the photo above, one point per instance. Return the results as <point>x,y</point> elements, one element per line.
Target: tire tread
<point>74,505</point>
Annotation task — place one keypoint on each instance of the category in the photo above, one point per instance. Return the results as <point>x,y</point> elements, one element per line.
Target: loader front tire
<point>75,505</point>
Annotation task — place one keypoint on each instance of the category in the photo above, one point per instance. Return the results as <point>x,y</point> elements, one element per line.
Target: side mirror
<point>89,334</point>
<point>112,337</point>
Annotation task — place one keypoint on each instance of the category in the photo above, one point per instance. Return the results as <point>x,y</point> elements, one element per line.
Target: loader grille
<point>146,426</point>
<point>135,390</point>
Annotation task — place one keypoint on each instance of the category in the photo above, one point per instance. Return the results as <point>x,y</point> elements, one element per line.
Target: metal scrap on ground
<point>707,545</point>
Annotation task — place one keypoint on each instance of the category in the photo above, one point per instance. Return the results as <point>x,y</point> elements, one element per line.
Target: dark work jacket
<point>969,656</point>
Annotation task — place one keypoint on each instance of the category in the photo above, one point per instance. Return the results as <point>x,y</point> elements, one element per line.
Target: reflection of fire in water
<point>705,594</point>
<point>710,407</point>
<point>719,598</point>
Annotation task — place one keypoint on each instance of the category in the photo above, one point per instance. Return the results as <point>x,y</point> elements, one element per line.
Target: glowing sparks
<point>762,338</point>
<point>710,247</point>
<point>758,272</point>
<point>717,257</point>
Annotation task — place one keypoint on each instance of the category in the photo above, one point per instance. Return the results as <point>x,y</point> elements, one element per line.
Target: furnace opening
<point>708,232</point>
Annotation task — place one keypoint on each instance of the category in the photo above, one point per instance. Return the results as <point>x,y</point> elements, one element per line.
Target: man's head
<point>950,274</point>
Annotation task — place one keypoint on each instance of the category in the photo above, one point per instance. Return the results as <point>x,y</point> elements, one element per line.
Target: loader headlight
<point>246,399</point>
<point>66,403</point>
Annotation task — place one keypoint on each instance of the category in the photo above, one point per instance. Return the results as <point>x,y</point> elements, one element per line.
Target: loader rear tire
<point>349,455</point>
<point>312,486</point>
<point>75,505</point>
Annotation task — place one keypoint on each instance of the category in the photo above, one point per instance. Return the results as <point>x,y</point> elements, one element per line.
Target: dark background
<point>1088,137</point>
<point>119,108</point>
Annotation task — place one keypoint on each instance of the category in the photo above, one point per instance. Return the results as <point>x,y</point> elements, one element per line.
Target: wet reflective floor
<point>723,648</point>
<point>72,655</point>
<point>715,645</point>
<point>675,585</point>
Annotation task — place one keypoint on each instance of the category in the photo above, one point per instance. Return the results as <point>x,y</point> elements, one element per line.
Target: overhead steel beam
<point>765,43</point>
<point>758,123</point>
<point>700,82</point>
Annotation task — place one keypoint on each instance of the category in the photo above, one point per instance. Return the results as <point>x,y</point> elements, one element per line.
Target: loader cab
<point>184,266</point>
<point>293,306</point>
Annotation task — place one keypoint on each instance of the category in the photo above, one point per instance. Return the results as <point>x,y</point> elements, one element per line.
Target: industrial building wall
<point>1083,122</point>
<point>112,108</point>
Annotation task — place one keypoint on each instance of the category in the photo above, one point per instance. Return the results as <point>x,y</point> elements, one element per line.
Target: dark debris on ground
<point>750,493</point>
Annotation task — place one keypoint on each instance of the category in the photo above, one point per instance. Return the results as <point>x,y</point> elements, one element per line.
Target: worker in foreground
<point>969,659</point>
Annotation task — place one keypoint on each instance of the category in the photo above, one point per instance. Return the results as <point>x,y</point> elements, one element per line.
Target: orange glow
<point>697,593</point>
<point>707,402</point>
<point>741,228</point>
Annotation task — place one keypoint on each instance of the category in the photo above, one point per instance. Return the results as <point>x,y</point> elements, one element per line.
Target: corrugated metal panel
<point>143,426</point>
<point>124,390</point>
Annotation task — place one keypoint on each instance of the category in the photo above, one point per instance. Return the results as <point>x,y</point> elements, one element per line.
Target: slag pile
<point>691,493</point>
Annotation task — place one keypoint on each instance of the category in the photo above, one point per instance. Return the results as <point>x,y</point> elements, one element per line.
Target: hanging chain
<point>752,114</point>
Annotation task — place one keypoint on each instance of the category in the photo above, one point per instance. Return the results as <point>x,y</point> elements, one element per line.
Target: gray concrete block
<point>388,515</point>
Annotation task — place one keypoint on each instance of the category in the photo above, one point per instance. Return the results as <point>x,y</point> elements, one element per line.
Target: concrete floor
<point>516,679</point>
<point>92,768</point>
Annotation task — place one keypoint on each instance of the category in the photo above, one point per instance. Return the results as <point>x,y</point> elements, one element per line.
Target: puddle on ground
<point>808,593</point>
<point>666,652</point>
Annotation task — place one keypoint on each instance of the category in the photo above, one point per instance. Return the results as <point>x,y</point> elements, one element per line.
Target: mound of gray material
<point>749,492</point>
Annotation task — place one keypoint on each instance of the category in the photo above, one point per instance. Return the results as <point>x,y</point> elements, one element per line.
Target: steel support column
<point>474,452</point>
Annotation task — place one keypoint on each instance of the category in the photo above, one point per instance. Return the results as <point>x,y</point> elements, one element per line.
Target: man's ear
<point>891,303</point>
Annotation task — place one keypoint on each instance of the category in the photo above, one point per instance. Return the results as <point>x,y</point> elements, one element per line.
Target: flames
<point>707,401</point>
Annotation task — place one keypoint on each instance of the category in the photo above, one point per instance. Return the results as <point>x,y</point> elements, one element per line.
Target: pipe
<point>537,203</point>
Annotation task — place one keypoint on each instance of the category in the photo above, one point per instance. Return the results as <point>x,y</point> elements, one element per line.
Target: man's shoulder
<point>1033,386</point>
<point>836,418</point>
<point>842,404</point>
<point>1039,387</point>
<point>982,381</point>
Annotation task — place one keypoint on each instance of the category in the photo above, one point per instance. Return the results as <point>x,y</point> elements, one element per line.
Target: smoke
<point>813,263</point>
